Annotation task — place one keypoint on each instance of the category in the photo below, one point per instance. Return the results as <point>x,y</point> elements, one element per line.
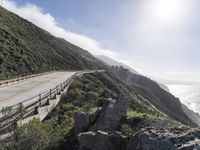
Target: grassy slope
<point>26,49</point>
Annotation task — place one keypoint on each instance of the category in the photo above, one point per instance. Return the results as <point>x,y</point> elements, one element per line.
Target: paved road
<point>18,92</point>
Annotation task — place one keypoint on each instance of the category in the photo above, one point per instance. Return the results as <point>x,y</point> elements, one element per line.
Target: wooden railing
<point>23,109</point>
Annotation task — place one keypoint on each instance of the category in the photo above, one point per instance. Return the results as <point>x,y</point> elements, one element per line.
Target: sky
<point>158,38</point>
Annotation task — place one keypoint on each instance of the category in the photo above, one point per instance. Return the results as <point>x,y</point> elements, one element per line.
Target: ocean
<point>189,95</point>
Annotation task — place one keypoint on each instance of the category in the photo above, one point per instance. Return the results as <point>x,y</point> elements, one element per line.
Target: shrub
<point>101,101</point>
<point>126,129</point>
<point>91,97</point>
<point>1,59</point>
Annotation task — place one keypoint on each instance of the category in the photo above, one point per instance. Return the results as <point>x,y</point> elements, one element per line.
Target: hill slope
<point>150,90</point>
<point>26,49</point>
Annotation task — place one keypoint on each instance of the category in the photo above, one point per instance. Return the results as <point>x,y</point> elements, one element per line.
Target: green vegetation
<point>26,49</point>
<point>126,129</point>
<point>132,113</point>
<point>154,116</point>
<point>7,110</point>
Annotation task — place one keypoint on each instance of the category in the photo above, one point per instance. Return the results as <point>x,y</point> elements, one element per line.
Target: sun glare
<point>169,10</point>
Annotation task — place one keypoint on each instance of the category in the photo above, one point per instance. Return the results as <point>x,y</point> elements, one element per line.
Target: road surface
<point>18,92</point>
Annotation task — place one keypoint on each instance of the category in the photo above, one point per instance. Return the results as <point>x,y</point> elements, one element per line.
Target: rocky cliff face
<point>104,132</point>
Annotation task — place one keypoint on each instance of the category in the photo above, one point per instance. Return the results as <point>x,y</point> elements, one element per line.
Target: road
<point>18,92</point>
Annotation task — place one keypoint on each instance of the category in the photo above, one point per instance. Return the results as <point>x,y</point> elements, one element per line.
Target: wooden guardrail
<point>22,110</point>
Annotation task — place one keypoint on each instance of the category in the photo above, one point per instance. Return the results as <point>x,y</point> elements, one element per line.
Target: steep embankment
<point>150,90</point>
<point>26,49</point>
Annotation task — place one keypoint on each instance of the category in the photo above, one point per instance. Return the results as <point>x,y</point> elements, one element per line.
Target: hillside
<point>152,91</point>
<point>27,49</point>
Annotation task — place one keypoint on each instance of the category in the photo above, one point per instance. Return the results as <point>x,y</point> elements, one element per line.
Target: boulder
<point>102,141</point>
<point>149,141</point>
<point>110,116</point>
<point>187,140</point>
<point>102,131</point>
<point>81,120</point>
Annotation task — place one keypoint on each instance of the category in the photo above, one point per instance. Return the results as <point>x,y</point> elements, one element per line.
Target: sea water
<point>189,95</point>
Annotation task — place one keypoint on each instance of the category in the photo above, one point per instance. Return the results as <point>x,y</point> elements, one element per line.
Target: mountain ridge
<point>111,62</point>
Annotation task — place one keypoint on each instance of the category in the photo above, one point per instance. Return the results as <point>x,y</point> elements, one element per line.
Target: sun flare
<point>169,10</point>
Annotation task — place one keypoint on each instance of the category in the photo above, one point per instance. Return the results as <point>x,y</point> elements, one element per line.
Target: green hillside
<point>27,49</point>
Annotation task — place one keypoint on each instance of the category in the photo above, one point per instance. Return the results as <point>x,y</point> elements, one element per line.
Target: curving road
<point>18,92</point>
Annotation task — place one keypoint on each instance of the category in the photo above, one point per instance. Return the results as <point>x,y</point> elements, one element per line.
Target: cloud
<point>46,21</point>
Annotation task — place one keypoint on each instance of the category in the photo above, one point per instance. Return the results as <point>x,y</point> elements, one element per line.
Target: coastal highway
<point>18,92</point>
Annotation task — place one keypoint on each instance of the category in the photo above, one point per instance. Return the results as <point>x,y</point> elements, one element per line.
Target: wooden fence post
<point>50,93</point>
<point>40,100</point>
<point>21,110</point>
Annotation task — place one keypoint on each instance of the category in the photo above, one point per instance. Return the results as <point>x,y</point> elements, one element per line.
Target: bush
<point>1,59</point>
<point>30,136</point>
<point>91,97</point>
<point>126,129</point>
<point>73,94</point>
<point>101,101</point>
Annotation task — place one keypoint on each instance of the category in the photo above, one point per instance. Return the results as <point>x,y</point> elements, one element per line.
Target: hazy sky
<point>156,37</point>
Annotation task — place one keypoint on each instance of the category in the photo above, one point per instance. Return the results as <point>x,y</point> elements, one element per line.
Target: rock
<point>121,106</point>
<point>102,141</point>
<point>190,146</point>
<point>146,133</point>
<point>188,140</point>
<point>110,116</point>
<point>148,140</point>
<point>81,120</point>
